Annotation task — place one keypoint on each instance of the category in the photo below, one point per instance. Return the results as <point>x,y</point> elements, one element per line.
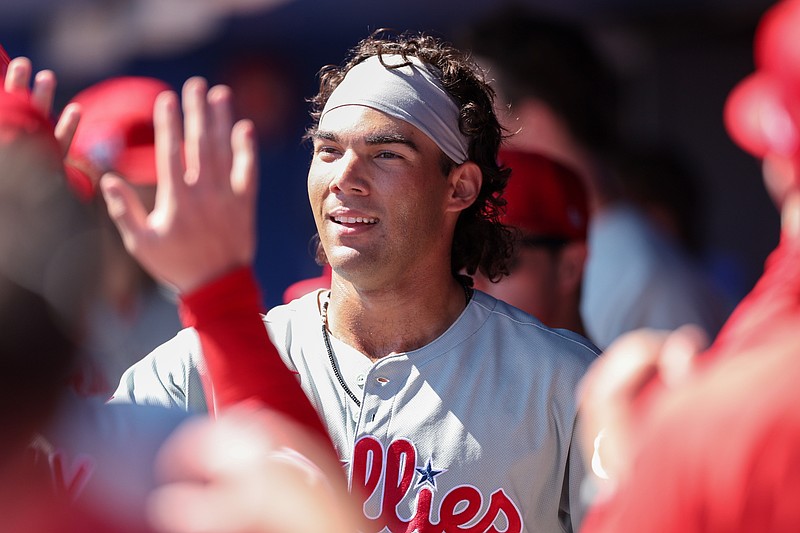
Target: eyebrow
<point>391,138</point>
<point>323,135</point>
<point>372,140</point>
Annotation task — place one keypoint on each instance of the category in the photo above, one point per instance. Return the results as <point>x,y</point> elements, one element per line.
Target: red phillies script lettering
<point>70,478</point>
<point>459,507</point>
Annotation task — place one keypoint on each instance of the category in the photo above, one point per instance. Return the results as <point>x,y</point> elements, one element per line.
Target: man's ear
<point>571,265</point>
<point>465,183</point>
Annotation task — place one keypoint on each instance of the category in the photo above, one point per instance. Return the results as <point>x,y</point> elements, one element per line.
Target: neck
<point>573,322</point>
<point>568,316</point>
<point>394,319</point>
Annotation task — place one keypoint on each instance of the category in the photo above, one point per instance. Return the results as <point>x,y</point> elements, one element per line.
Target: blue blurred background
<point>678,59</point>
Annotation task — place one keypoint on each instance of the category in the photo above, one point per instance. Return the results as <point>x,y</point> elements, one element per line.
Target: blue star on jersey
<point>428,475</point>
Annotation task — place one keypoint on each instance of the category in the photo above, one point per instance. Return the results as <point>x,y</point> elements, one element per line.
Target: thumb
<point>125,209</point>
<point>790,215</point>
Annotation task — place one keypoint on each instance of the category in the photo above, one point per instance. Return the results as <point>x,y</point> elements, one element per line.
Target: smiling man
<point>449,408</point>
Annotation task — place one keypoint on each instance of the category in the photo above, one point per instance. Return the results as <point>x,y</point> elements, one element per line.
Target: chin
<point>346,261</point>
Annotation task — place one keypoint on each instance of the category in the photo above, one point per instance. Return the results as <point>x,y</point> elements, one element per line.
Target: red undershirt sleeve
<point>243,364</point>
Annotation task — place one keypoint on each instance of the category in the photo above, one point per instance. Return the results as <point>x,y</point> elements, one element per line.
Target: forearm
<point>243,364</point>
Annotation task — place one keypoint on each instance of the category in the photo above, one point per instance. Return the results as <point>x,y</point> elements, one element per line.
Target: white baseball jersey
<point>474,430</point>
<point>635,277</point>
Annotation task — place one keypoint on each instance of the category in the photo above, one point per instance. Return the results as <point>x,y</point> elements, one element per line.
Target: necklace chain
<point>332,358</point>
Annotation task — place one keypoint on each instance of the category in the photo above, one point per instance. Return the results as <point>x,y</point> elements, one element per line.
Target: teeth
<point>354,220</point>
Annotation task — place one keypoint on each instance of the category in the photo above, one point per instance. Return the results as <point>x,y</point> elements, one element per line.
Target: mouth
<point>343,220</point>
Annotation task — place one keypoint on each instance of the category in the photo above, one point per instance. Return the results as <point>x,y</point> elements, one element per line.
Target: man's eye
<point>388,155</point>
<point>326,150</point>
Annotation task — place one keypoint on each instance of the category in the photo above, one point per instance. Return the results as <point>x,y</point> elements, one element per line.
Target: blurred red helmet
<point>116,131</point>
<point>544,198</point>
<point>777,43</point>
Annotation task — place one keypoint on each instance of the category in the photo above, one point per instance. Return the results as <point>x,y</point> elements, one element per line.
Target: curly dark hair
<point>481,241</point>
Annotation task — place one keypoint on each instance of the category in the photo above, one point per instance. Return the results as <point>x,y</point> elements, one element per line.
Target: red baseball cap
<point>303,287</point>
<point>116,131</point>
<point>544,198</point>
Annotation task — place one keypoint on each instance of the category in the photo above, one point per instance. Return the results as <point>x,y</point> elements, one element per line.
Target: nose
<point>350,175</point>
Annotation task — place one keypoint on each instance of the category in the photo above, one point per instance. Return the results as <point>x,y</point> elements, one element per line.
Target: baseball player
<point>717,440</point>
<point>547,203</point>
<point>132,314</point>
<point>559,98</point>
<point>448,407</point>
<point>90,464</point>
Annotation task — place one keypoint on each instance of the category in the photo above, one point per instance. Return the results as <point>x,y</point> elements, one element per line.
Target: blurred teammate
<point>547,203</point>
<point>132,314</point>
<point>558,98</point>
<point>46,269</point>
<point>707,441</point>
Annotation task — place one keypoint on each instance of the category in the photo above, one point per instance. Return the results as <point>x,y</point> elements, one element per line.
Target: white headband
<point>411,93</point>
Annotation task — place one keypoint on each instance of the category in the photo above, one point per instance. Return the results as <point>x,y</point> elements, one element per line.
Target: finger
<point>780,177</point>
<point>192,508</point>
<point>679,353</point>
<point>271,495</point>
<point>244,170</point>
<point>607,397</point>
<point>635,366</point>
<point>221,119</point>
<point>125,209</point>
<point>169,149</point>
<point>18,75</point>
<point>197,147</point>
<point>184,457</point>
<point>613,381</point>
<point>67,125</point>
<point>44,91</point>
<point>624,368</point>
<point>201,449</point>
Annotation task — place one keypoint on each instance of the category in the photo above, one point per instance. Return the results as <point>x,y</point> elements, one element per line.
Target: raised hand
<point>611,395</point>
<point>203,222</point>
<point>18,80</point>
<point>250,471</point>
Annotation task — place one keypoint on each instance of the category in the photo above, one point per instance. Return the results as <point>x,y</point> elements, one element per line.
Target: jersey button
<point>360,380</point>
<point>355,413</point>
